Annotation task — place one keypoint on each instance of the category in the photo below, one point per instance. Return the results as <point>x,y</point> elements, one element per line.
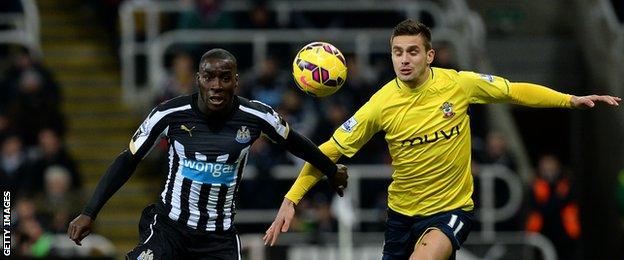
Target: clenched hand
<point>338,182</point>
<point>79,228</point>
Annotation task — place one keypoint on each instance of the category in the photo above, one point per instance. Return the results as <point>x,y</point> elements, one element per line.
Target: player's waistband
<point>163,215</point>
<point>396,215</point>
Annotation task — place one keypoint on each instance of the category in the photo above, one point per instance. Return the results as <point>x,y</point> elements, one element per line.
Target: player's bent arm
<point>303,148</point>
<point>534,95</point>
<point>309,175</point>
<point>116,175</point>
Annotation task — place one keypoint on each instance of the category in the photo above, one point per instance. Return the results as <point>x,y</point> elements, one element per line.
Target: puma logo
<point>185,128</point>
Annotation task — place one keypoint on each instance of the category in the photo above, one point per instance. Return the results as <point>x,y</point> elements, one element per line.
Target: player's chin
<point>406,78</point>
<point>217,104</point>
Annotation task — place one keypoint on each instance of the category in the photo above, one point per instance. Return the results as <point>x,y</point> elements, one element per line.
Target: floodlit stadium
<point>110,106</point>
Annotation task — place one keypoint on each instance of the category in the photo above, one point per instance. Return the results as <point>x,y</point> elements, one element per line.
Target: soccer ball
<point>319,69</point>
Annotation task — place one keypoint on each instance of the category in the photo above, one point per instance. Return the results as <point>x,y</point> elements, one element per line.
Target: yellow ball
<point>319,69</point>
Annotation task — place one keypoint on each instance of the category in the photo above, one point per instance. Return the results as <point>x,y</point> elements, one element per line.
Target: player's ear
<point>430,56</point>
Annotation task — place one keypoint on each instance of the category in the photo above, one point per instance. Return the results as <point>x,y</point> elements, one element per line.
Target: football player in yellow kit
<point>423,112</point>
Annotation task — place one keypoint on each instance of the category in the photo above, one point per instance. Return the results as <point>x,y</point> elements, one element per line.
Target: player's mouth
<point>216,100</point>
<point>406,71</point>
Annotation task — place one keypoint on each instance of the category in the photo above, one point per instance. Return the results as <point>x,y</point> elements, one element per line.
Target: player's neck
<point>221,113</point>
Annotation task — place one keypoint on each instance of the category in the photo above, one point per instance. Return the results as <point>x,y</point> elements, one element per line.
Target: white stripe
<point>211,206</point>
<point>461,224</point>
<point>452,222</point>
<point>223,158</point>
<point>150,122</point>
<point>238,244</point>
<point>242,154</point>
<point>193,207</point>
<point>200,156</point>
<point>151,230</point>
<point>163,194</point>
<point>177,184</point>
<point>227,207</point>
<point>230,204</point>
<point>272,119</point>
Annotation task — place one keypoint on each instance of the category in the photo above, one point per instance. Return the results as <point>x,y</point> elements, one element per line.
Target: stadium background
<point>79,76</point>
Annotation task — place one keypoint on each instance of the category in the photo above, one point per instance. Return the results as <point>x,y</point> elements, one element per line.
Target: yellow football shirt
<point>427,130</point>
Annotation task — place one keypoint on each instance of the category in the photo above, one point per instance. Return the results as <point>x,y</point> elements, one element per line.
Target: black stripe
<point>173,172</point>
<point>220,205</point>
<point>338,143</point>
<point>239,174</point>
<point>507,86</point>
<point>201,204</point>
<point>189,155</point>
<point>184,201</point>
<point>239,179</point>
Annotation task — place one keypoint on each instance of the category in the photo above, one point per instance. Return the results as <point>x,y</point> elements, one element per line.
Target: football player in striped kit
<point>209,135</point>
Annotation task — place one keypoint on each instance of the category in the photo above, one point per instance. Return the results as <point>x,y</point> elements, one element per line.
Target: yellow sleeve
<point>483,88</point>
<point>534,95</point>
<point>356,131</point>
<point>310,175</point>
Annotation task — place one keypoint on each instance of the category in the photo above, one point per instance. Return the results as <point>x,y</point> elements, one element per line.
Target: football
<point>319,69</point>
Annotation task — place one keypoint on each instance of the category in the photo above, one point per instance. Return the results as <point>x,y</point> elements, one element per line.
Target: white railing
<point>362,40</point>
<point>25,28</point>
<point>372,248</point>
<point>156,41</point>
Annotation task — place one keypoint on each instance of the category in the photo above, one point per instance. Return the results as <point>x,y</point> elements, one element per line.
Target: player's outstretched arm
<point>117,174</point>
<point>303,148</point>
<point>281,223</point>
<point>591,100</point>
<point>535,95</point>
<point>308,177</point>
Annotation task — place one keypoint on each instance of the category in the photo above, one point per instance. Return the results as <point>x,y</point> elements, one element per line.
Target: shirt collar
<point>425,85</point>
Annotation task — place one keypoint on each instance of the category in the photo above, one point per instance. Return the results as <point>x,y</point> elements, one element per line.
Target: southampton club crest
<point>447,109</point>
<point>243,136</point>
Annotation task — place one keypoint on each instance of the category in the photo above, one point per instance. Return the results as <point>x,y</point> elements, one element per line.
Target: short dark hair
<point>411,27</point>
<point>218,53</point>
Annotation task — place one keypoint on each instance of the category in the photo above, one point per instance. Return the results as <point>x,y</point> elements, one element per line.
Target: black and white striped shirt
<point>206,156</point>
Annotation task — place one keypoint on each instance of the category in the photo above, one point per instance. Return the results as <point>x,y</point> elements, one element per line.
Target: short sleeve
<point>358,129</point>
<point>484,88</point>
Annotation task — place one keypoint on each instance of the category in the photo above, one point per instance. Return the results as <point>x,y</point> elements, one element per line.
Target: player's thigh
<point>399,237</point>
<point>216,247</point>
<point>452,229</point>
<point>433,244</point>
<point>155,247</point>
<point>153,243</point>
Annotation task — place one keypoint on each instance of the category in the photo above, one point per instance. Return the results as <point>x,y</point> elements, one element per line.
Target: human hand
<point>79,228</point>
<point>338,182</point>
<point>590,101</point>
<point>281,223</point>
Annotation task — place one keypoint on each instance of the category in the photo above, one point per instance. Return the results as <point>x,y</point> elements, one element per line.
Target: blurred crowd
<point>43,179</point>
